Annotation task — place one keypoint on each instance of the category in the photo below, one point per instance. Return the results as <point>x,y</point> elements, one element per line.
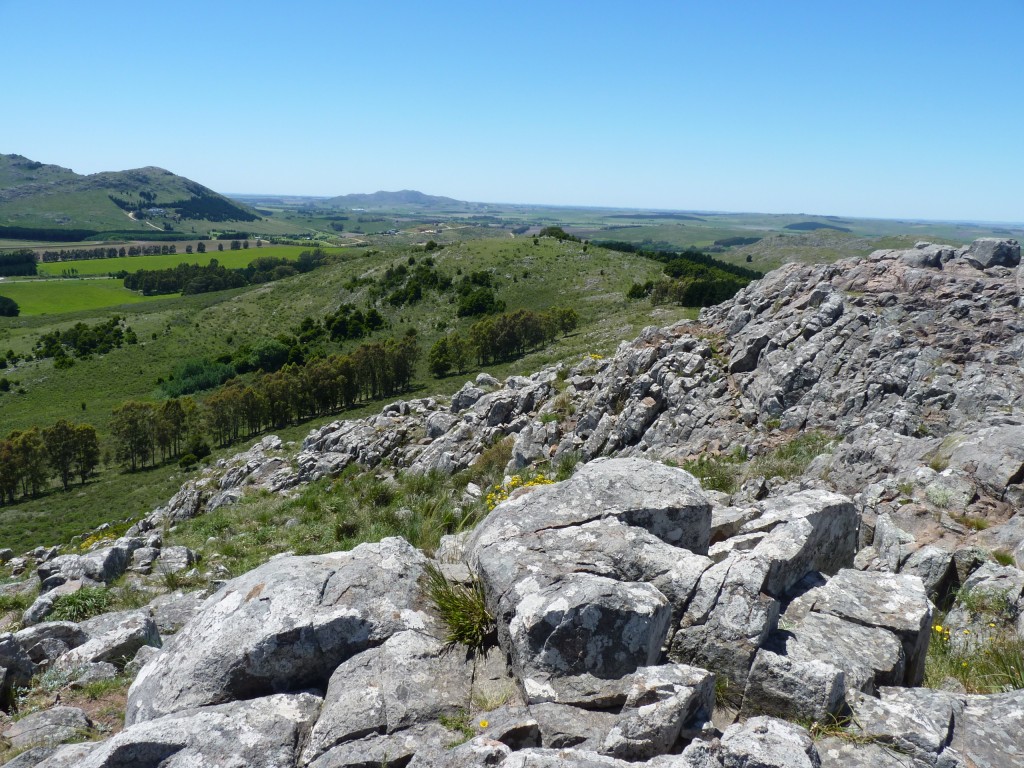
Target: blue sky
<point>886,109</point>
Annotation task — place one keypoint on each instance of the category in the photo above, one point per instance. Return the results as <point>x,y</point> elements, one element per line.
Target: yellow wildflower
<point>937,627</point>
<point>484,723</point>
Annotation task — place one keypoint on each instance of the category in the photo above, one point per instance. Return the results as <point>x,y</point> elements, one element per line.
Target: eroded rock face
<point>284,626</point>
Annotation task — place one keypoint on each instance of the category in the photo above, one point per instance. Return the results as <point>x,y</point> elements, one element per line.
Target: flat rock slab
<point>48,728</point>
<point>412,678</point>
<point>895,602</point>
<point>262,733</point>
<point>284,626</point>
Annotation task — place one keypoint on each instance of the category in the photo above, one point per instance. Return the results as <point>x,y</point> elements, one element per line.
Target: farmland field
<point>51,297</point>
<point>226,258</point>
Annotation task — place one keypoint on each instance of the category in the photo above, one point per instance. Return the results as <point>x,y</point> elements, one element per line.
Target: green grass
<point>332,515</point>
<point>463,609</point>
<point>55,297</point>
<point>226,258</point>
<point>987,665</point>
<point>81,605</point>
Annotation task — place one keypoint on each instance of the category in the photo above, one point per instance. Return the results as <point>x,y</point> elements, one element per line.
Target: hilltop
<point>406,198</point>
<point>840,588</point>
<point>48,202</point>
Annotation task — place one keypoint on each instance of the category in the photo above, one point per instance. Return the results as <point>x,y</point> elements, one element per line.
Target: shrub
<point>81,605</point>
<point>462,609</point>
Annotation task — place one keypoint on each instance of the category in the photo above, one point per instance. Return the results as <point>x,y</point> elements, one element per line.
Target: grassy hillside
<point>47,197</point>
<point>551,273</point>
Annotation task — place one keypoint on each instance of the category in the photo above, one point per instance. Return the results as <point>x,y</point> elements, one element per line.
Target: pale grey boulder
<point>580,628</point>
<point>767,742</point>
<point>664,704</point>
<point>737,601</point>
<point>794,689</point>
<point>48,640</point>
<point>175,560</point>
<point>261,733</point>
<point>117,646</point>
<point>286,625</point>
<point>987,252</point>
<point>376,749</point>
<point>934,566</point>
<point>16,668</point>
<point>993,455</point>
<point>48,728</point>
<point>918,722</point>
<point>870,657</point>
<point>66,756</point>
<point>895,602</point>
<point>412,678</point>
<point>988,731</point>
<point>174,610</point>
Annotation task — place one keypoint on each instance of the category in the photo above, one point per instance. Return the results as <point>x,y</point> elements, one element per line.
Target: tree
<point>200,247</point>
<point>87,451</point>
<point>220,246</point>
<point>134,428</point>
<point>439,360</point>
<point>9,307</point>
<point>60,450</point>
<point>30,460</point>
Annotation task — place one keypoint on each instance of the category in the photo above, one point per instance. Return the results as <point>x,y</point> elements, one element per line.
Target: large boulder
<point>585,576</point>
<point>262,733</point>
<point>284,626</point>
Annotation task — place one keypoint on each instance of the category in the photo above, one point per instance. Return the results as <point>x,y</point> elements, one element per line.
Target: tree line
<point>84,254</point>
<point>19,263</point>
<point>499,338</point>
<point>31,458</point>
<point>190,279</point>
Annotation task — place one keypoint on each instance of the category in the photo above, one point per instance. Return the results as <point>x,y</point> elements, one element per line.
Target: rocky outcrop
<point>639,619</point>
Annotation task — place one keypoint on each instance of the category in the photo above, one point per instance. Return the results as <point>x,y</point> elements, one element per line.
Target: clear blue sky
<point>889,109</point>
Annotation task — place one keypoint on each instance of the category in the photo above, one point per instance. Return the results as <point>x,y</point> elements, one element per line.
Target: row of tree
<point>189,279</point>
<point>31,458</point>
<point>145,433</point>
<point>20,263</point>
<point>85,254</point>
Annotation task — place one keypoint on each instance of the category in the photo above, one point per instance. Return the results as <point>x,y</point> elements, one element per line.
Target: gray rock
<point>988,732</point>
<point>562,726</point>
<point>918,722</point>
<point>386,748</point>
<point>994,456</point>
<point>793,689</point>
<point>175,560</point>
<point>583,627</point>
<point>67,756</point>
<point>17,667</point>
<point>50,639</point>
<point>986,252</point>
<point>172,611</point>
<point>117,646</point>
<point>261,733</point>
<point>411,679</point>
<point>143,559</point>
<point>663,703</point>
<point>933,565</point>
<point>92,673</point>
<point>766,743</point>
<point>48,728</point>
<point>894,602</point>
<point>869,657</point>
<point>285,625</point>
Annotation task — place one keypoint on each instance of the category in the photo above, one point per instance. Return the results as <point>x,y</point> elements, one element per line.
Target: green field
<point>226,258</point>
<point>54,297</point>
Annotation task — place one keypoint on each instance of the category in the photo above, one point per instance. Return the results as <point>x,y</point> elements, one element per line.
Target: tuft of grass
<point>81,605</point>
<point>567,464</point>
<point>1003,557</point>
<point>974,523</point>
<point>460,723</point>
<point>462,609</point>
<point>717,472</point>
<point>792,459</point>
<point>16,602</point>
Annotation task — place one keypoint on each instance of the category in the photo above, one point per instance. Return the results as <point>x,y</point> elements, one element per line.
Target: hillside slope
<point>406,198</point>
<point>34,195</point>
<point>858,429</point>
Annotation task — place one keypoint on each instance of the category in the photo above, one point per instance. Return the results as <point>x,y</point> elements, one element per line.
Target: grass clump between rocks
<point>463,609</point>
<point>992,664</point>
<point>81,605</point>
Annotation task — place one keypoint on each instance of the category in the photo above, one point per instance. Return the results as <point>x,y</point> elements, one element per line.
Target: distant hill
<point>406,198</point>
<point>811,226</point>
<point>48,202</point>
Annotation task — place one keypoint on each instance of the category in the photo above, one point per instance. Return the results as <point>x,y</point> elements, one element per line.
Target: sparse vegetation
<point>81,605</point>
<point>462,608</point>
